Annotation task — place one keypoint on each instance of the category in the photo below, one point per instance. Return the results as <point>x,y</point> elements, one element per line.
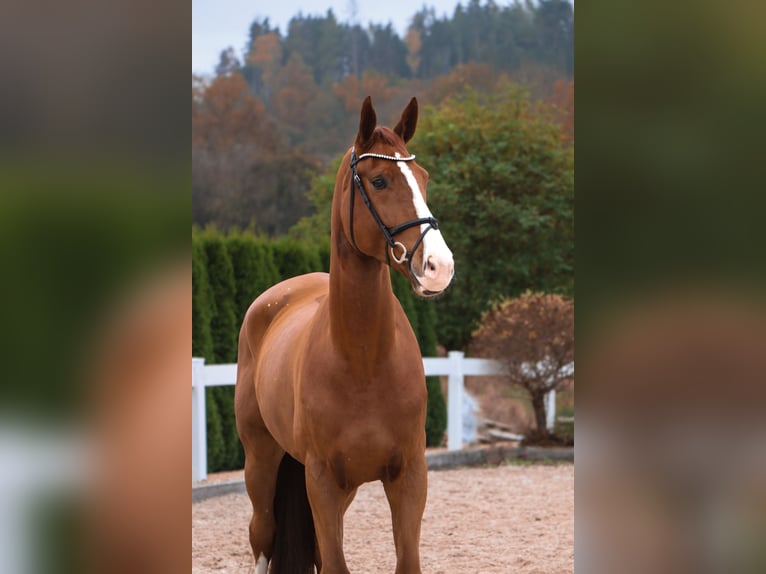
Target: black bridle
<point>388,232</point>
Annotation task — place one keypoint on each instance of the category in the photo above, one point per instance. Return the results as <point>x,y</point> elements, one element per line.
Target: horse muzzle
<point>436,273</point>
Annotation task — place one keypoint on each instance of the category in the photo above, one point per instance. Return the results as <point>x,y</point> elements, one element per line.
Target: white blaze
<point>433,243</point>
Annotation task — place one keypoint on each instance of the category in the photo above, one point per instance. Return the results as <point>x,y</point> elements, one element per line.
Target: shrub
<point>534,336</point>
<point>502,188</point>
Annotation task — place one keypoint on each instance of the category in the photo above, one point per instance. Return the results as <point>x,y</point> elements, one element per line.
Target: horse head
<point>384,211</point>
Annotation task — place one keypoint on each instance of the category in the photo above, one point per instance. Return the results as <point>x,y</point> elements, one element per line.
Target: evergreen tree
<point>436,414</point>
<point>233,455</point>
<point>254,268</point>
<point>388,53</point>
<point>221,276</point>
<point>216,446</point>
<point>554,21</point>
<point>422,315</point>
<point>202,300</point>
<point>294,258</point>
<point>202,346</point>
<point>228,63</point>
<point>224,329</point>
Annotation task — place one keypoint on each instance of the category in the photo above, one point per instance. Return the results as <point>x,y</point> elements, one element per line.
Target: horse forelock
<point>383,135</point>
<point>388,136</point>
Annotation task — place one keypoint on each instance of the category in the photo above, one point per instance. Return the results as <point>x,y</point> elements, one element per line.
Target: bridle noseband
<point>388,232</point>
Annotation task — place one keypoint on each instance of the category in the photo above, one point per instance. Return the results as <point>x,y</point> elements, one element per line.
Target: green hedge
<point>436,415</point>
<point>202,340</point>
<point>228,272</point>
<point>293,258</point>
<point>254,269</point>
<point>422,316</point>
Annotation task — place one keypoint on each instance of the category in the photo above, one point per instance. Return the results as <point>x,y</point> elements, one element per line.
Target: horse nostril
<point>429,266</point>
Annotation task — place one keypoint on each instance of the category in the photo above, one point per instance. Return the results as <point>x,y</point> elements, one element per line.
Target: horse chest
<point>360,423</point>
<point>375,393</point>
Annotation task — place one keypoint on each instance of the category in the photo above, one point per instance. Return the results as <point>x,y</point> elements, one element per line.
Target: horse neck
<point>362,302</point>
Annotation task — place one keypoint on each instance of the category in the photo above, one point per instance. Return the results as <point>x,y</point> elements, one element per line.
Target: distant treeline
<point>277,112</point>
<point>506,37</point>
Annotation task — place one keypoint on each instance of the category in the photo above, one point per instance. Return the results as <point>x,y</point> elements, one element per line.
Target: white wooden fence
<point>456,366</point>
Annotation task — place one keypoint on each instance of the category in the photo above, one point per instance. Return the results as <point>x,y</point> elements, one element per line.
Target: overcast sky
<point>217,24</point>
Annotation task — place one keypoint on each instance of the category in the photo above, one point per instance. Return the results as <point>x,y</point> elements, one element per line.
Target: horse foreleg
<point>349,500</point>
<point>406,495</point>
<point>328,504</point>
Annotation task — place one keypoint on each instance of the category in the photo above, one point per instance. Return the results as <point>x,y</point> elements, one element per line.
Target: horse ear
<point>367,122</point>
<point>405,129</point>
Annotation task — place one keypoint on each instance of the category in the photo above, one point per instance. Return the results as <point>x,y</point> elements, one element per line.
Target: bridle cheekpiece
<point>388,232</point>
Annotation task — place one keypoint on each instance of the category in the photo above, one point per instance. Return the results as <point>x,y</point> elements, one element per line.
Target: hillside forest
<point>282,106</point>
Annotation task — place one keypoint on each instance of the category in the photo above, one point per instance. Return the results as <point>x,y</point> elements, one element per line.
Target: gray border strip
<point>438,460</point>
<point>204,491</point>
<point>496,454</point>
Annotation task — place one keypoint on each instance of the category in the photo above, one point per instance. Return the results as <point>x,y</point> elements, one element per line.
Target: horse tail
<point>294,542</point>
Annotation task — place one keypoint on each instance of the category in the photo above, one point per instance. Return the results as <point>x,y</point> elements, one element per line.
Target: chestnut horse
<point>330,384</point>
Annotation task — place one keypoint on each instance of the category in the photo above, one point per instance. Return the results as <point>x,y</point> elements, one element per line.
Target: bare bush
<point>534,336</point>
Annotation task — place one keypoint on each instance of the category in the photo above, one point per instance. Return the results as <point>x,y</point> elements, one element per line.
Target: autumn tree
<point>414,42</point>
<point>317,226</point>
<point>242,172</point>
<point>265,59</point>
<point>295,90</point>
<point>228,132</point>
<point>533,335</point>
<point>563,102</point>
<point>463,79</point>
<point>225,115</point>
<point>351,91</point>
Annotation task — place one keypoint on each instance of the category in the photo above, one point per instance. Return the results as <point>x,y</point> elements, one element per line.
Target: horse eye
<point>379,183</point>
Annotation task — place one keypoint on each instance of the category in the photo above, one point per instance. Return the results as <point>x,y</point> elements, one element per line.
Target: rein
<point>388,232</point>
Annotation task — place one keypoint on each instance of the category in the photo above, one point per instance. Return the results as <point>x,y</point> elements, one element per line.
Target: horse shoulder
<point>279,299</point>
<point>273,333</point>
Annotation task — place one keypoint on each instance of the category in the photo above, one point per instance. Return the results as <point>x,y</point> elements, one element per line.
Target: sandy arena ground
<point>495,520</point>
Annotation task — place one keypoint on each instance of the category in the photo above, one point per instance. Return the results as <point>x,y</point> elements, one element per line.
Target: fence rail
<point>455,366</point>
